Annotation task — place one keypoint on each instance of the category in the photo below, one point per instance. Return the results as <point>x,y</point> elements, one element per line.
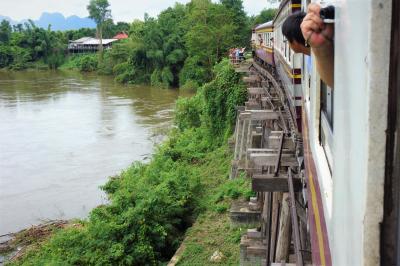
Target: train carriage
<point>350,132</point>
<point>265,43</point>
<point>288,64</point>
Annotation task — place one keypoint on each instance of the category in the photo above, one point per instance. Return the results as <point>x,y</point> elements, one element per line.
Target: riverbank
<point>152,205</point>
<point>15,245</point>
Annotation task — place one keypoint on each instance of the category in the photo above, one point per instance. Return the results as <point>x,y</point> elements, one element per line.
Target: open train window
<point>327,103</point>
<point>326,122</point>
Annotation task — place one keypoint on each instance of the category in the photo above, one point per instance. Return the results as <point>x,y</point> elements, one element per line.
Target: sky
<point>122,10</point>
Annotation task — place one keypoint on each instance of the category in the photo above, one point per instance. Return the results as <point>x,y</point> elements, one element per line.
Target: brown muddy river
<point>63,134</point>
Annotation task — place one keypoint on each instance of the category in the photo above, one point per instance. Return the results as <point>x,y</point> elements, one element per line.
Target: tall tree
<point>99,11</point>
<point>243,32</point>
<point>5,32</point>
<point>211,33</point>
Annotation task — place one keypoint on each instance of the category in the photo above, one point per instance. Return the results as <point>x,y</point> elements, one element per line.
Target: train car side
<point>288,64</point>
<point>265,43</point>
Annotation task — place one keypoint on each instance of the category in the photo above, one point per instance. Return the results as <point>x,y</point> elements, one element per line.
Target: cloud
<point>122,10</point>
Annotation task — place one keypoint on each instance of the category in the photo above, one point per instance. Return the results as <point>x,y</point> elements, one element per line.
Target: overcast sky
<point>122,10</point>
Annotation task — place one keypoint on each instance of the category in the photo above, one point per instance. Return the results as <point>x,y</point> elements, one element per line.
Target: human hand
<point>316,33</point>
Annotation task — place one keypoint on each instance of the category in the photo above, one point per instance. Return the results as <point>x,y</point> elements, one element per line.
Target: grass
<point>213,230</point>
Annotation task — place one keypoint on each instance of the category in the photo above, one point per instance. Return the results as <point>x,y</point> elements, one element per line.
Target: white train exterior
<point>350,146</point>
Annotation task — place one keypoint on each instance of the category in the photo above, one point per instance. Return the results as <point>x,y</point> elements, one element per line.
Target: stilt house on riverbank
<point>89,44</point>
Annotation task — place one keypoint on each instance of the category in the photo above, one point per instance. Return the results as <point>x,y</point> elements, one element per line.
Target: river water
<point>62,134</point>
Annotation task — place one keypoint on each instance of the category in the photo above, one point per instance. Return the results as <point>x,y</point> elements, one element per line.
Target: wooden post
<point>241,140</point>
<point>282,247</point>
<point>277,197</point>
<point>248,142</point>
<point>237,140</point>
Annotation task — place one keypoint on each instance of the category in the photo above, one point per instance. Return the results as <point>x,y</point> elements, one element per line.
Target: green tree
<point>77,34</point>
<point>264,16</point>
<point>243,32</point>
<point>166,46</point>
<point>6,56</point>
<point>122,27</point>
<point>99,11</point>
<point>5,32</point>
<point>211,33</point>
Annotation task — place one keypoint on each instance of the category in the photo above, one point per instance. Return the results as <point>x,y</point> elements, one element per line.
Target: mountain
<point>57,21</point>
<point>13,22</point>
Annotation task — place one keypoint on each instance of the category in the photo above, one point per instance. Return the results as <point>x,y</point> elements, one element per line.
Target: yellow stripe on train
<point>264,30</point>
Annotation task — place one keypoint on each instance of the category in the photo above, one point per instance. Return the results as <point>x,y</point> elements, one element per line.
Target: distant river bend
<point>62,134</point>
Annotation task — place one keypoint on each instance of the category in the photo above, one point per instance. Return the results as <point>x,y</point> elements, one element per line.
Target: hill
<point>57,21</point>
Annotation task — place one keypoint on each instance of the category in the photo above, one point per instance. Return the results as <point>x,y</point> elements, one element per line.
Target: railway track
<point>268,149</point>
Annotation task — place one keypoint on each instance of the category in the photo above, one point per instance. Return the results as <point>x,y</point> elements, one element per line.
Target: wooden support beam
<point>258,115</point>
<point>277,198</point>
<point>264,115</point>
<point>256,90</point>
<point>278,158</point>
<point>268,150</point>
<point>257,250</point>
<point>294,220</point>
<point>269,183</point>
<point>244,115</point>
<point>283,245</point>
<point>268,159</point>
<point>274,141</point>
<point>252,105</point>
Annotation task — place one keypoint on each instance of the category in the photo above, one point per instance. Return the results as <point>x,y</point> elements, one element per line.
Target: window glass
<point>327,102</point>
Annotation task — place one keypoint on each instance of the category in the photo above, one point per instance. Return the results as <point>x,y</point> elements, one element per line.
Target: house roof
<point>121,35</point>
<point>97,41</point>
<point>268,24</point>
<point>93,41</point>
<point>82,40</point>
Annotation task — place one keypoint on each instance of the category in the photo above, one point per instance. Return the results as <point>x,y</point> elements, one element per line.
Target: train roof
<point>265,25</point>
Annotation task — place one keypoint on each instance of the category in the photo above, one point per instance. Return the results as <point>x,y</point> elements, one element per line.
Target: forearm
<point>324,57</point>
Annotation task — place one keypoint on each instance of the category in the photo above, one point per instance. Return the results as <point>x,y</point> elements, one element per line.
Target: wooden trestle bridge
<point>268,150</point>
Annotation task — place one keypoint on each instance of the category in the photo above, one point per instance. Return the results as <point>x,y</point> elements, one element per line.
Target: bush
<point>188,112</point>
<point>190,85</point>
<point>55,60</point>
<point>107,65</point>
<point>123,72</point>
<point>194,71</point>
<point>88,63</point>
<point>222,95</point>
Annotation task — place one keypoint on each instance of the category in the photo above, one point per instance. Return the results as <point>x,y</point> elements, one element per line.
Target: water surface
<point>63,134</point>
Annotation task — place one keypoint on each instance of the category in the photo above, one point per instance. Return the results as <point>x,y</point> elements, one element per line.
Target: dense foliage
<point>22,46</point>
<point>151,205</point>
<point>29,43</point>
<point>180,46</point>
<point>264,16</point>
<point>177,48</point>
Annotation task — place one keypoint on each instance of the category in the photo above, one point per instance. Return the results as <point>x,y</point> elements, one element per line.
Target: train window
<point>327,103</point>
<point>326,122</point>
